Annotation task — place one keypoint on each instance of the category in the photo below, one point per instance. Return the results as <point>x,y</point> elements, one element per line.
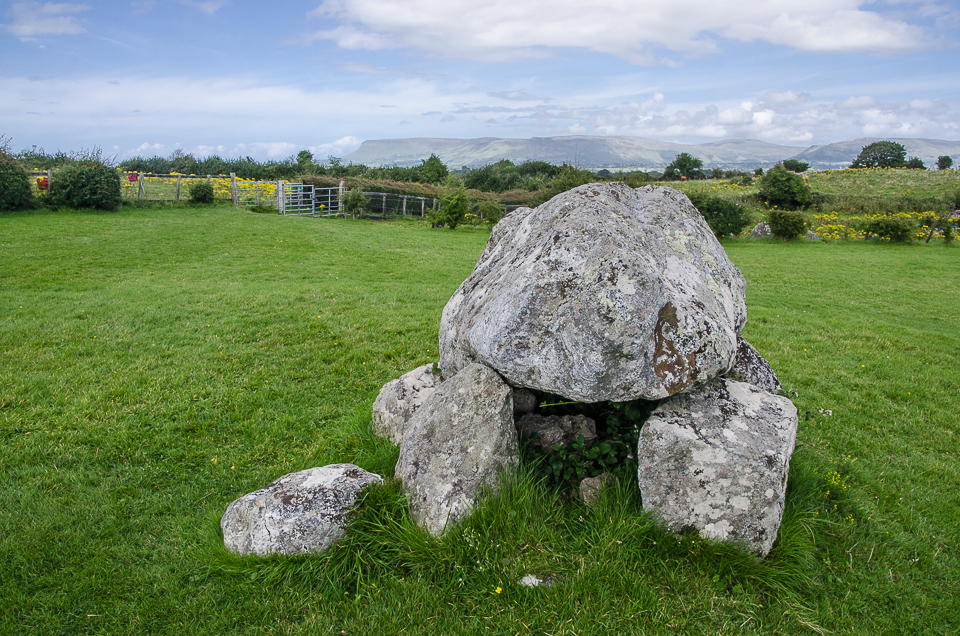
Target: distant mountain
<point>634,153</point>
<point>841,154</point>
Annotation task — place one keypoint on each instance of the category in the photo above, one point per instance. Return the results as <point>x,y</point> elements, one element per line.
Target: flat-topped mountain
<point>626,153</point>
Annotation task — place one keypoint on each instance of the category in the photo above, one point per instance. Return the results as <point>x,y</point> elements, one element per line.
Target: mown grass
<point>156,364</point>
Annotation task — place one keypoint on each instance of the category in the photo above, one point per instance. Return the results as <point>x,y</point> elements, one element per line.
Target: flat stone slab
<point>306,511</point>
<point>715,460</point>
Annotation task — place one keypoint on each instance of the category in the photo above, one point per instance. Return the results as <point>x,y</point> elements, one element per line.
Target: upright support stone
<point>715,460</point>
<point>456,445</point>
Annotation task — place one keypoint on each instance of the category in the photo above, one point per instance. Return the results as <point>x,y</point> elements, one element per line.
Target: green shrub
<point>795,165</point>
<point>784,189</point>
<point>894,228</point>
<point>786,224</point>
<point>490,212</point>
<point>201,192</point>
<point>16,192</point>
<point>618,427</point>
<point>724,217</point>
<point>354,202</point>
<point>86,184</point>
<point>915,163</point>
<point>453,211</point>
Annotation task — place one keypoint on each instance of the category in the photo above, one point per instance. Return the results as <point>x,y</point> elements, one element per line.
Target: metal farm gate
<point>290,199</point>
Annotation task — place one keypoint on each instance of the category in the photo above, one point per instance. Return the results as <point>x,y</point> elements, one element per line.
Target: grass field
<point>156,364</point>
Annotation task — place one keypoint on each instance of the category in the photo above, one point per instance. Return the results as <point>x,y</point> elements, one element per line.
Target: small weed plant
<point>618,428</point>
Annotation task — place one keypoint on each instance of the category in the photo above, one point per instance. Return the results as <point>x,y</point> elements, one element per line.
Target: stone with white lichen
<point>715,460</point>
<point>602,293</point>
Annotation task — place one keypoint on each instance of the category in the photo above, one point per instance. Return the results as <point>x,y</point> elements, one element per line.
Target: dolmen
<point>603,293</point>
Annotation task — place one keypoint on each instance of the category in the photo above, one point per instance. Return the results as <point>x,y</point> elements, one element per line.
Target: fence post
<point>339,200</point>
<point>280,198</point>
<point>178,188</point>
<point>423,205</point>
<point>233,189</point>
<point>383,207</point>
<point>404,205</point>
<point>49,178</point>
<point>140,186</point>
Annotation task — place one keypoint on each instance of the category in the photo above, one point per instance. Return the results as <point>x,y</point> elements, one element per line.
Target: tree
<point>304,160</point>
<point>795,165</point>
<point>915,163</point>
<point>944,162</point>
<point>684,165</point>
<point>881,154</point>
<point>433,170</point>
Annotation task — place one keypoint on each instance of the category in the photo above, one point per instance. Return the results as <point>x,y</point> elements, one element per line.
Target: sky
<point>266,80</point>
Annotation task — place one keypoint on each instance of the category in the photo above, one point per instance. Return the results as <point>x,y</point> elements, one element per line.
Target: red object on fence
<point>42,183</point>
<point>132,177</point>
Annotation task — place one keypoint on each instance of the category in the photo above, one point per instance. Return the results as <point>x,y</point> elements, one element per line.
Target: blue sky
<point>240,78</point>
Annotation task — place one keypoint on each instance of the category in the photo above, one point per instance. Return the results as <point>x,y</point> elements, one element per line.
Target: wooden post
<point>233,189</point>
<point>49,178</point>
<point>280,201</point>
<point>404,205</point>
<point>423,205</point>
<point>257,192</point>
<point>383,207</point>
<point>140,186</point>
<point>178,188</point>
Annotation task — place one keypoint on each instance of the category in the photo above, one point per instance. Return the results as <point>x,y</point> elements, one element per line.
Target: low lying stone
<point>399,399</point>
<point>761,230</point>
<point>554,430</point>
<point>752,368</point>
<point>715,460</point>
<point>524,401</point>
<point>590,487</point>
<point>306,511</point>
<point>457,443</point>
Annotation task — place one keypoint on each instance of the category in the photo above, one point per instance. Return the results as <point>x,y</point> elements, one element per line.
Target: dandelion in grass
<point>498,590</point>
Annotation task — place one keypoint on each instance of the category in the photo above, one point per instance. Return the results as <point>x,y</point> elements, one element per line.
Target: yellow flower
<point>498,590</point>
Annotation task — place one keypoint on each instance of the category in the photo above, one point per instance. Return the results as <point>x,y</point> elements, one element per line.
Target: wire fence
<point>140,186</point>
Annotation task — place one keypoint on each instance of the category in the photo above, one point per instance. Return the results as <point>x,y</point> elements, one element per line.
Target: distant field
<point>156,364</point>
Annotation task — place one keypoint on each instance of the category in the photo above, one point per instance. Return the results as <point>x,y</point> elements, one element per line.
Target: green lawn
<point>156,364</point>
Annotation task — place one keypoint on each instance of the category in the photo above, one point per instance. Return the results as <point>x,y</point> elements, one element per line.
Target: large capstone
<point>456,445</point>
<point>602,293</point>
<point>301,512</point>
<point>715,460</point>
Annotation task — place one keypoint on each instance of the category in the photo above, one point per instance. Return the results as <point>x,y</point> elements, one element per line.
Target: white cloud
<point>31,19</point>
<point>513,29</point>
<point>784,98</point>
<point>406,72</point>
<point>209,7</point>
<point>857,103</point>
